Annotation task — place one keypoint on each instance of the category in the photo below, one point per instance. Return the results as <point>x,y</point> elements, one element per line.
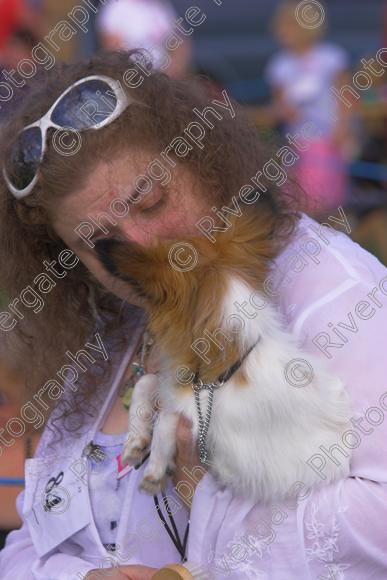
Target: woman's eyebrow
<point>113,193</point>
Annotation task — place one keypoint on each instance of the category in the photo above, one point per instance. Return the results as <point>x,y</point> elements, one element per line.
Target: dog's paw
<point>153,485</point>
<point>135,450</point>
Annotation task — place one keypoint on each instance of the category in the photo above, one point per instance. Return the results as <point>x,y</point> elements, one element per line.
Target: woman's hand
<point>126,572</point>
<point>187,456</point>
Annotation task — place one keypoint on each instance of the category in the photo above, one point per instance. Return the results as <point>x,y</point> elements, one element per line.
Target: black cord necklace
<point>180,546</point>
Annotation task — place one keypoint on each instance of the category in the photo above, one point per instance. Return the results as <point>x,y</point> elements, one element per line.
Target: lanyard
<point>118,377</point>
<point>181,546</point>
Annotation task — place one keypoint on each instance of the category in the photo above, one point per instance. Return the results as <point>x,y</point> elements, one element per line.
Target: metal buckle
<point>199,386</point>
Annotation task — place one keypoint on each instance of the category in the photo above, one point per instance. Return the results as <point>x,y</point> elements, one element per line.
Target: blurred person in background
<point>145,24</point>
<point>11,13</point>
<point>300,76</point>
<point>21,26</point>
<point>15,14</point>
<point>19,45</point>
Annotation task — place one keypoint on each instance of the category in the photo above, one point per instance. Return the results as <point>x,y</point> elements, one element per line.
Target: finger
<point>186,447</point>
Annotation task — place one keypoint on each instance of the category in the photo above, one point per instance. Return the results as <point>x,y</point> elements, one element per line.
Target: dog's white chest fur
<point>262,432</point>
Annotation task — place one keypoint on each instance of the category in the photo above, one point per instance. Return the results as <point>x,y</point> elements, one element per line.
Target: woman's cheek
<point>181,224</point>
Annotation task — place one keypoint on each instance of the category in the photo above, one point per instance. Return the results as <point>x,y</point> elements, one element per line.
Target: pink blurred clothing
<point>323,174</point>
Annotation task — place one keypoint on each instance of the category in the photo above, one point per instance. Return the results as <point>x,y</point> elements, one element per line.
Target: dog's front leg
<point>163,449</point>
<point>142,417</point>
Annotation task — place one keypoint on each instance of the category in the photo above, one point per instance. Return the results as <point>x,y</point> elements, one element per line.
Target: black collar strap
<point>226,376</point>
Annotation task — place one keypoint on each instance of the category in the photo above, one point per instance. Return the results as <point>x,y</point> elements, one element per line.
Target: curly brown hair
<point>230,158</point>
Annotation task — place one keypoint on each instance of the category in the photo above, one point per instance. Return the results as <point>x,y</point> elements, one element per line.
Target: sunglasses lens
<point>85,105</point>
<point>24,157</point>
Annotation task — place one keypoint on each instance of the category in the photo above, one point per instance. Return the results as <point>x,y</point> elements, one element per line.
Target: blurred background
<point>279,59</point>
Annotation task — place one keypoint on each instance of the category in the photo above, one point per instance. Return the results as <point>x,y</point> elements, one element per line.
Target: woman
<point>81,511</point>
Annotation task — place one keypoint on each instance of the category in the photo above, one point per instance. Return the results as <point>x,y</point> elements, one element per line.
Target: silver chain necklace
<point>198,386</point>
<point>204,423</point>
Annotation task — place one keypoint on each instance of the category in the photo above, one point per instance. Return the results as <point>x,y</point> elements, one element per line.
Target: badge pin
<point>94,452</point>
<point>122,470</point>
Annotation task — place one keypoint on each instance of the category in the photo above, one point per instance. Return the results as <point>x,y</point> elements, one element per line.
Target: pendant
<point>138,371</point>
<point>127,397</point>
<point>93,452</point>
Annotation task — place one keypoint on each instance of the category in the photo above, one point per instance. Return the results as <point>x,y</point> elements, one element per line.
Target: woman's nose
<point>132,232</point>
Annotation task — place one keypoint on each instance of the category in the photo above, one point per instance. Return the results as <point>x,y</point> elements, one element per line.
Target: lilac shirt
<point>322,282</point>
<point>103,482</point>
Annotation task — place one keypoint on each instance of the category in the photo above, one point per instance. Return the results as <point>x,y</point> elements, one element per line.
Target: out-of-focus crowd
<point>344,165</point>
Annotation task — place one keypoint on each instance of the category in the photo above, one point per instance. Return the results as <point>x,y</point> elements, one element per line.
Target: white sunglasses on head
<point>68,112</point>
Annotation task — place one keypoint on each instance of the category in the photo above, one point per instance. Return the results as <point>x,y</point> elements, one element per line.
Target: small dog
<point>262,430</point>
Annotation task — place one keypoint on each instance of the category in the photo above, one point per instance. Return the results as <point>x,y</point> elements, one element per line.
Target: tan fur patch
<point>182,305</point>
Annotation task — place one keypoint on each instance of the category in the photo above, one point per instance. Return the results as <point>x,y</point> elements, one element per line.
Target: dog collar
<point>197,386</point>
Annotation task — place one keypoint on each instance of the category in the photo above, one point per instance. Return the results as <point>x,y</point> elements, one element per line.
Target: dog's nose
<point>105,249</point>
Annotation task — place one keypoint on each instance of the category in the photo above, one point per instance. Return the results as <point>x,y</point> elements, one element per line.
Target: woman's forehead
<point>107,180</point>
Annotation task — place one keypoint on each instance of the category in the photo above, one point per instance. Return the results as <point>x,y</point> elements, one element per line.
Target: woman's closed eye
<point>146,206</point>
<point>154,207</point>
<point>152,202</point>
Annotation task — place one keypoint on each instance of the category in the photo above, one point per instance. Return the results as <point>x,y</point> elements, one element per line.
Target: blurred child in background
<point>301,76</point>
